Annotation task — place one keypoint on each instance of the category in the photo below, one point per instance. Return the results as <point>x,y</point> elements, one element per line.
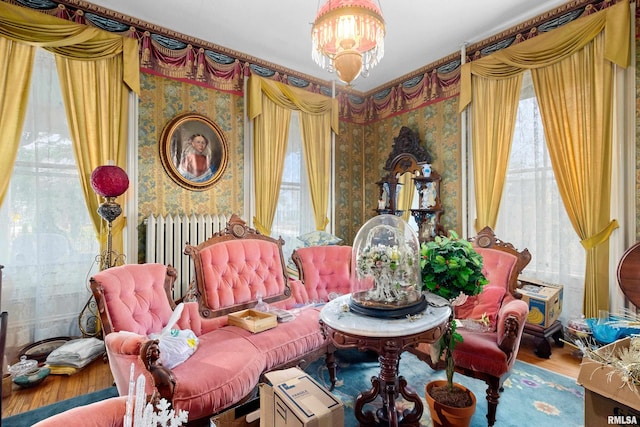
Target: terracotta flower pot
<point>449,416</point>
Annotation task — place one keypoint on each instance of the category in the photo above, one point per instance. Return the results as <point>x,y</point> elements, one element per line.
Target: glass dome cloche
<point>386,268</point>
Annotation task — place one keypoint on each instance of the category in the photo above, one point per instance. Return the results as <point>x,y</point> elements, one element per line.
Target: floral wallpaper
<point>361,152</point>
<point>350,168</point>
<point>160,100</point>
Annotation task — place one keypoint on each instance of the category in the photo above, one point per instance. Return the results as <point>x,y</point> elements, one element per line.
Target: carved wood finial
<point>238,227</point>
<point>407,142</point>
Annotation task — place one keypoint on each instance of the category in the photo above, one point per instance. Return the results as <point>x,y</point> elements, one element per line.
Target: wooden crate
<point>252,320</point>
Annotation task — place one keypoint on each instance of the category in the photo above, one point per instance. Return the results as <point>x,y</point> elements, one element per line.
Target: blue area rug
<point>31,417</point>
<point>532,396</point>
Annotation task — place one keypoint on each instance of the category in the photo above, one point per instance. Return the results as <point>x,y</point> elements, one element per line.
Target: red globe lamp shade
<point>109,181</point>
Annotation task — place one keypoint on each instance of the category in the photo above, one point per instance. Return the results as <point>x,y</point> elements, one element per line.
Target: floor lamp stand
<point>108,181</point>
<point>109,210</point>
<point>89,320</point>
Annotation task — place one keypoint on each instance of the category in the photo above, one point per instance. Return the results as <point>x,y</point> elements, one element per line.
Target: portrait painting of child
<point>193,151</point>
<point>195,162</point>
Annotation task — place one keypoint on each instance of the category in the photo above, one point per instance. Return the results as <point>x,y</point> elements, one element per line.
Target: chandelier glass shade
<point>348,37</point>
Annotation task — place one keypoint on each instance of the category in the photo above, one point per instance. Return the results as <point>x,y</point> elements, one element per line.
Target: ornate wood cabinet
<point>408,156</point>
<point>429,210</point>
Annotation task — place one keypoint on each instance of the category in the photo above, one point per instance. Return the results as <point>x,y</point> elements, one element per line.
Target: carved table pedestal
<point>389,338</point>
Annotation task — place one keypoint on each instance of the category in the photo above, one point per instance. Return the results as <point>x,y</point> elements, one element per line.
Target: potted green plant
<point>452,269</point>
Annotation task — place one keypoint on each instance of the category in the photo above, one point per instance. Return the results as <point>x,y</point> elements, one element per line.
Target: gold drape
<point>319,115</point>
<point>270,132</point>
<point>576,101</point>
<point>581,146</point>
<point>494,119</point>
<point>95,101</point>
<point>96,71</point>
<point>14,95</point>
<point>316,139</point>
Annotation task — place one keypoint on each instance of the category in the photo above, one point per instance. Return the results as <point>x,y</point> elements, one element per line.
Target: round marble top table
<point>389,338</point>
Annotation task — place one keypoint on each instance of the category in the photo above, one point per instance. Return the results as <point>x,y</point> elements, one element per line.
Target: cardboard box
<point>608,399</point>
<point>294,399</point>
<point>544,299</point>
<point>600,411</point>
<point>607,381</point>
<point>252,320</point>
<point>245,415</point>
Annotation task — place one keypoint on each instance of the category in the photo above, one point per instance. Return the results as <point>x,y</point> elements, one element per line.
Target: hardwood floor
<point>97,376</point>
<point>565,360</point>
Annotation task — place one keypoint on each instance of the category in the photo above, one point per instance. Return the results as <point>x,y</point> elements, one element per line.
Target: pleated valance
<point>71,40</point>
<point>291,98</point>
<point>552,47</point>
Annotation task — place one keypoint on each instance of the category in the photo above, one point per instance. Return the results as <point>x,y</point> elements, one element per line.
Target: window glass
<point>51,246</point>
<point>294,213</point>
<point>532,214</point>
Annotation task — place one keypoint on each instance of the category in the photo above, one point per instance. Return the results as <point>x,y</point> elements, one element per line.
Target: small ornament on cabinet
<point>428,195</point>
<point>381,203</point>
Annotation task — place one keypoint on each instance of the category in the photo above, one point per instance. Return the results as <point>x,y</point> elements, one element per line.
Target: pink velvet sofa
<point>232,268</point>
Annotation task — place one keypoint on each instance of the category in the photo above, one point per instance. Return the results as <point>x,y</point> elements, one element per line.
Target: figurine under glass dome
<point>386,263</point>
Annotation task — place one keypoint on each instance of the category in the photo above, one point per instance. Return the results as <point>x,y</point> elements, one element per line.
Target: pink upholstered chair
<point>490,355</point>
<point>134,300</point>
<point>323,270</point>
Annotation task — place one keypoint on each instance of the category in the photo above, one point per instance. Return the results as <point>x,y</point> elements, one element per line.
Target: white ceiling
<point>419,32</point>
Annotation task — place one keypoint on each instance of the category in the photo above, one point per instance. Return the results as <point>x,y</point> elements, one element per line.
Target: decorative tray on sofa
<point>253,320</point>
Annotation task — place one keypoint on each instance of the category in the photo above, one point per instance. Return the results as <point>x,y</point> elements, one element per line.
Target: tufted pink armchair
<point>134,300</point>
<point>323,270</point>
<point>490,355</point>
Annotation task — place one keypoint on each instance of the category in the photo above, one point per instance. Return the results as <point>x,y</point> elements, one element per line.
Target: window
<point>294,213</point>
<point>51,243</point>
<point>532,214</point>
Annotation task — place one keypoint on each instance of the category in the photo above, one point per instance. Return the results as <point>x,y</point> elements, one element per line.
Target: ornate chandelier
<point>348,37</point>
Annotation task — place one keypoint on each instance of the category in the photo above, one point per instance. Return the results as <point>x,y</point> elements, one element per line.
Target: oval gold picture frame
<point>193,151</point>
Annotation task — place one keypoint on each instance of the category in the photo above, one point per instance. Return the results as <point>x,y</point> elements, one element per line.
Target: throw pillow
<point>487,302</point>
<point>319,238</point>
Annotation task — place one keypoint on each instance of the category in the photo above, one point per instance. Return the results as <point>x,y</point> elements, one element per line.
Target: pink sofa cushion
<point>135,297</point>
<point>480,352</point>
<point>225,368</point>
<point>288,340</point>
<point>326,269</point>
<point>497,266</point>
<point>236,271</point>
<point>487,302</point>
